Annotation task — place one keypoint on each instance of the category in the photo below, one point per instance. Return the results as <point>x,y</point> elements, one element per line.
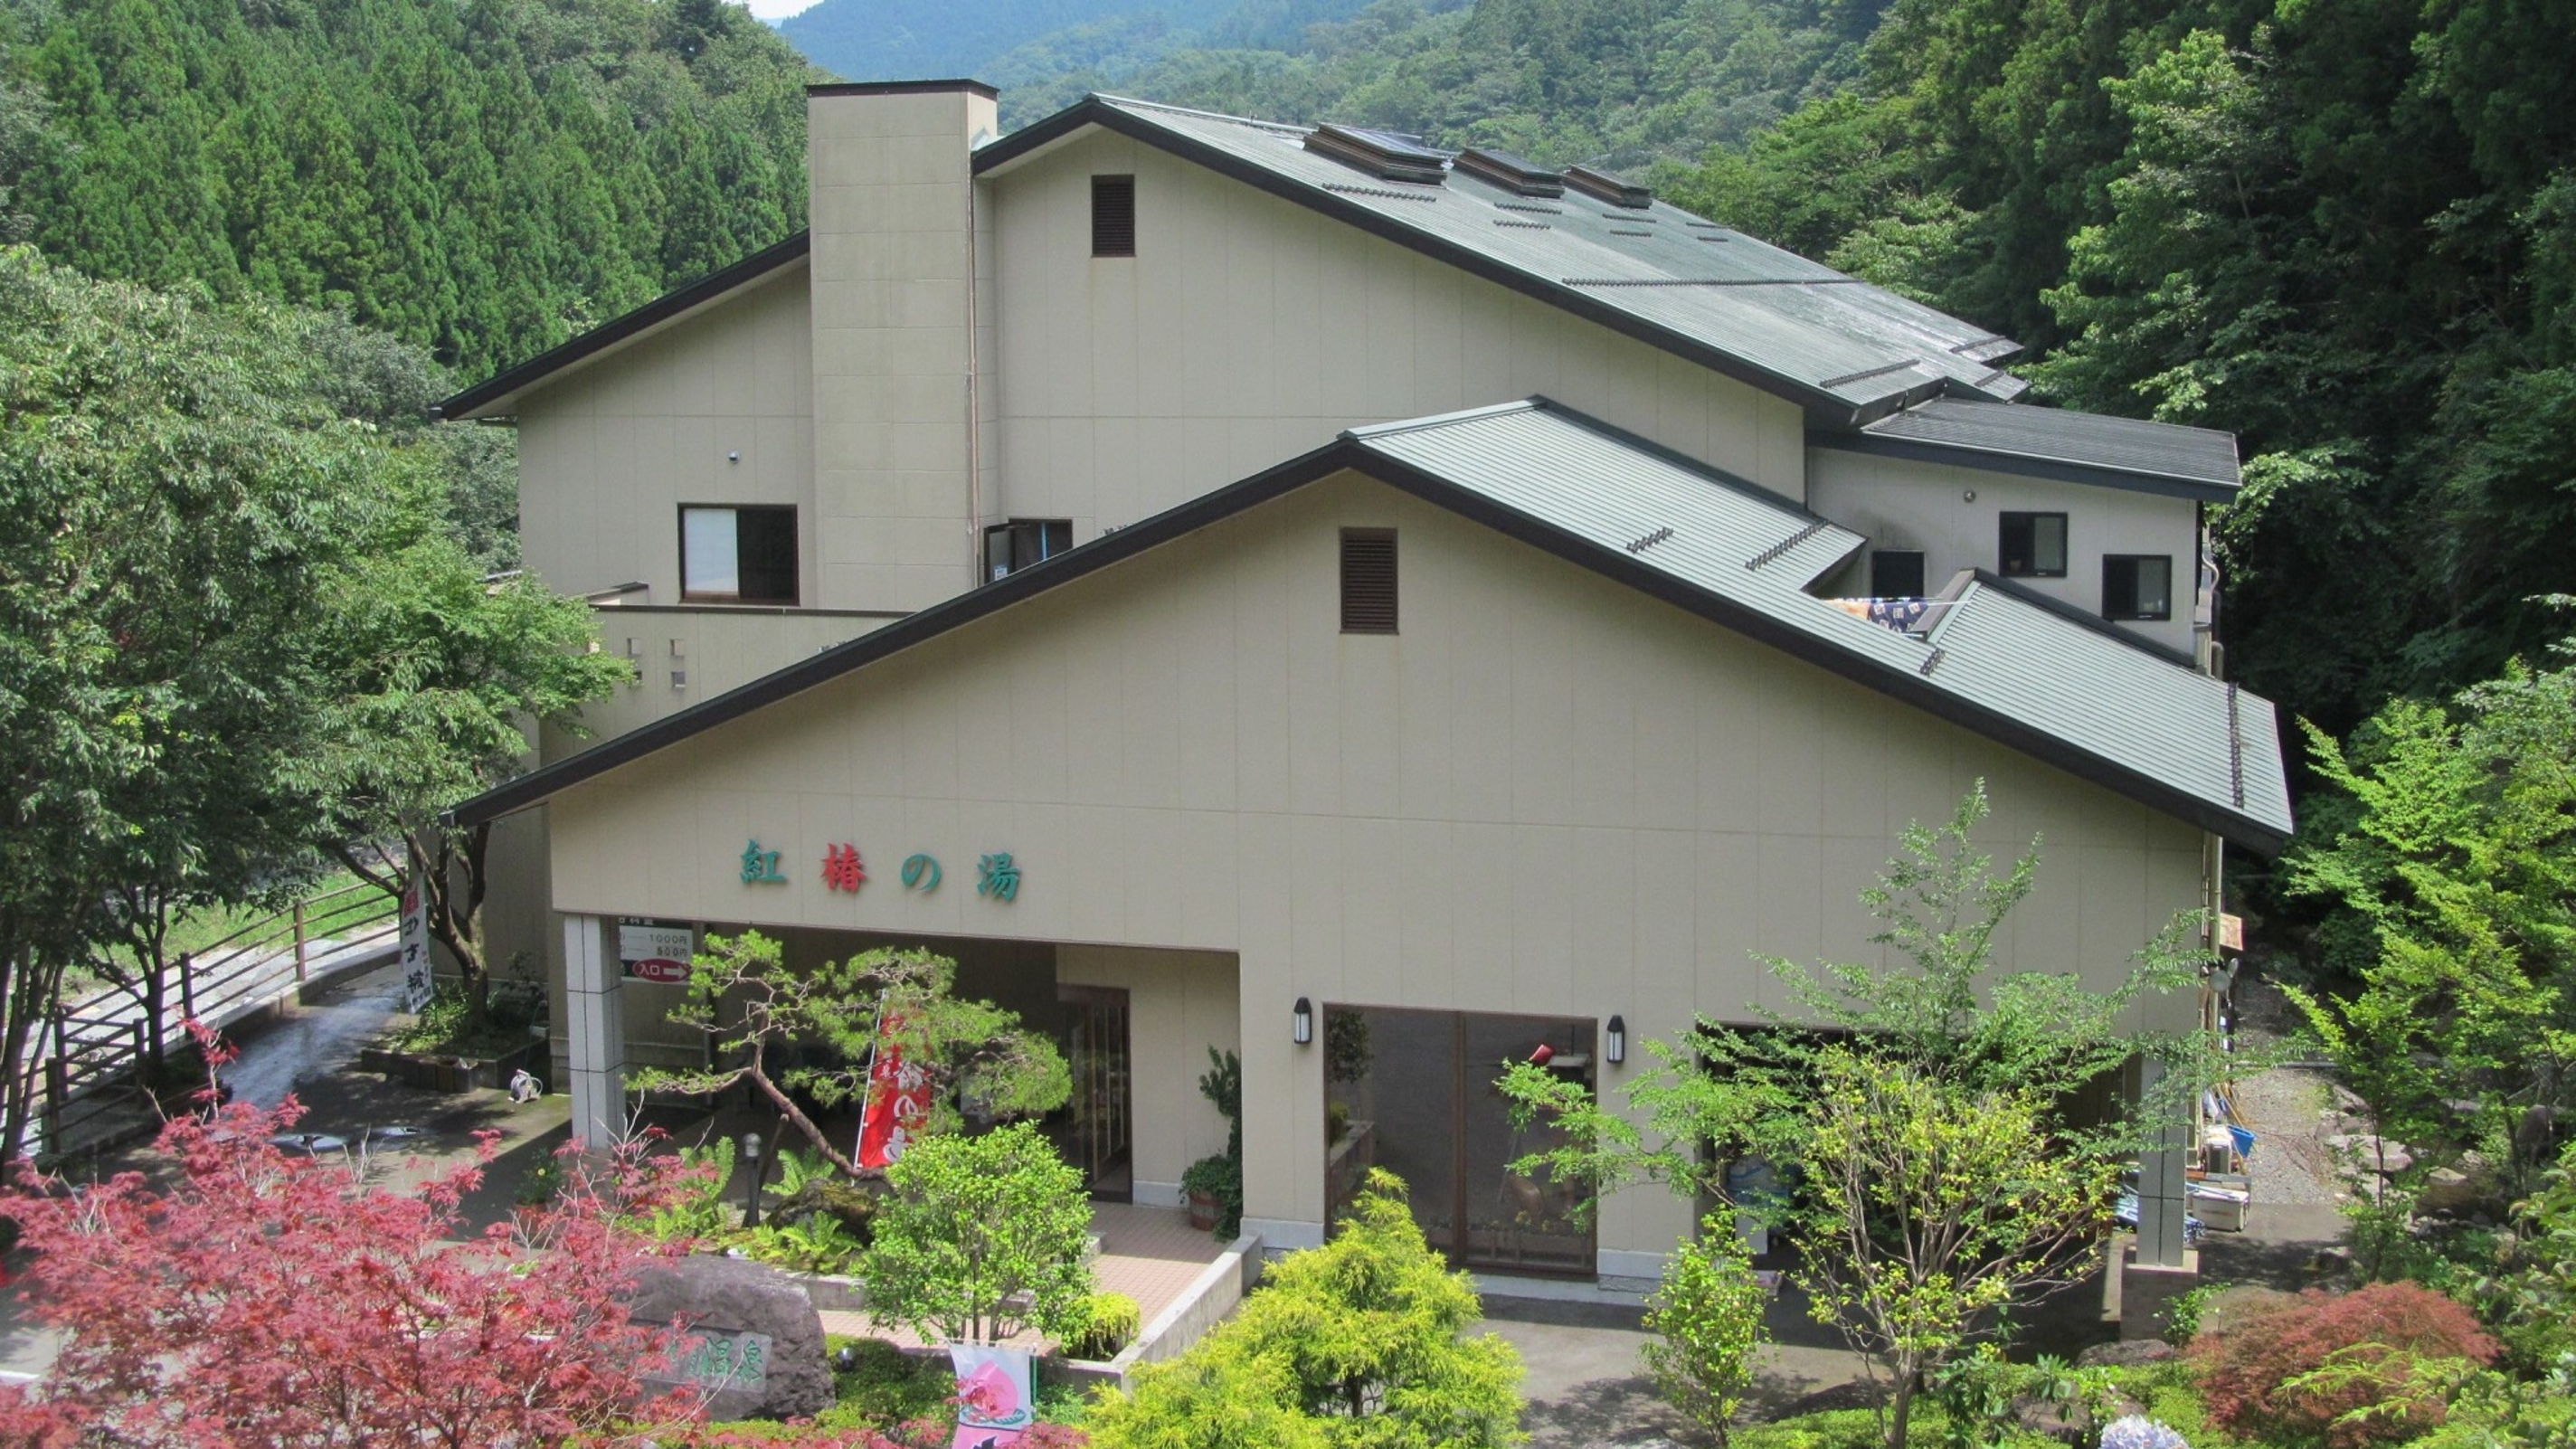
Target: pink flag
<point>898,1098</point>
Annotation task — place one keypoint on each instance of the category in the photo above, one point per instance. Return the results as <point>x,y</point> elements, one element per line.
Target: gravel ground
<point>2291,1163</point>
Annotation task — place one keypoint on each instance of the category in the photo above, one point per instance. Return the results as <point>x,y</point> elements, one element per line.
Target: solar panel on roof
<point>1602,186</point>
<point>1382,154</point>
<point>1512,173</point>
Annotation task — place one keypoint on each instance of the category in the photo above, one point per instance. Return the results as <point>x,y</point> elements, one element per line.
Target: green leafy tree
<point>176,502</point>
<point>1355,1344</point>
<point>428,680</point>
<point>981,1237</point>
<point>2448,856</point>
<point>1937,1089</point>
<point>1933,1211</point>
<point>757,1010</point>
<point>1707,1313</point>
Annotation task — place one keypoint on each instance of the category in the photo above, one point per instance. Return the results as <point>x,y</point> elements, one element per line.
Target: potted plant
<point>1206,1185</point>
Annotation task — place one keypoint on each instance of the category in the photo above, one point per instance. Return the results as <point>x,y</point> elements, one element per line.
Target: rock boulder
<point>753,1338</point>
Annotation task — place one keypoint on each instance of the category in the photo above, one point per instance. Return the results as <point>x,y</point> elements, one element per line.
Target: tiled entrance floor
<point>1151,1254</point>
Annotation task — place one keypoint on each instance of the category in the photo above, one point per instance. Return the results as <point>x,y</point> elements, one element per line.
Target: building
<point>1286,590</point>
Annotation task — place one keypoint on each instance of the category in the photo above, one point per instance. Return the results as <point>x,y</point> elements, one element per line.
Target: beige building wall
<point>716,408</point>
<point>1549,794</point>
<point>1180,1003</point>
<point>894,342</point>
<point>1247,330</point>
<point>1954,515</point>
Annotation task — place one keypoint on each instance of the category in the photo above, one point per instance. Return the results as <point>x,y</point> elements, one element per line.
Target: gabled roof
<point>497,396</point>
<point>1843,349</point>
<point>2057,443</point>
<point>2066,691</point>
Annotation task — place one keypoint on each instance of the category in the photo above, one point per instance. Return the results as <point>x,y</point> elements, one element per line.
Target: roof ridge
<point>1367,431</point>
<point>1285,127</point>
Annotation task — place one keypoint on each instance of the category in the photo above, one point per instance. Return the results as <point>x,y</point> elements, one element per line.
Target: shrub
<point>2364,1368</point>
<point>881,1385</point>
<point>1109,1323</point>
<point>810,1244</point>
<point>1353,1343</point>
<point>1708,1313</point>
<point>981,1237</point>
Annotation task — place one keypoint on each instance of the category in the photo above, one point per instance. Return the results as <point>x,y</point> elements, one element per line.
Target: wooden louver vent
<point>1113,216</point>
<point>1512,173</point>
<point>1385,155</point>
<point>1368,581</point>
<point>1602,186</point>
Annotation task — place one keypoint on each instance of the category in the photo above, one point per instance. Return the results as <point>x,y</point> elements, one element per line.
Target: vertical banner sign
<point>994,1404</point>
<point>898,1097</point>
<point>414,939</point>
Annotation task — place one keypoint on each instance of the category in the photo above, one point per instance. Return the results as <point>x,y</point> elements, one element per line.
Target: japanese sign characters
<point>414,940</point>
<point>898,1097</point>
<point>760,867</point>
<point>842,869</point>
<point>997,877</point>
<point>651,950</point>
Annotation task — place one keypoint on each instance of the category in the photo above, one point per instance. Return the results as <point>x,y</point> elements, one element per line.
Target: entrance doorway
<point>1091,1129</point>
<point>1413,1092</point>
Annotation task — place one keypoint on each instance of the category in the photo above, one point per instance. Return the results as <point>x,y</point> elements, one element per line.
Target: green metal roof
<point>1846,350</point>
<point>2037,676</point>
<point>2059,443</point>
<point>1992,657</point>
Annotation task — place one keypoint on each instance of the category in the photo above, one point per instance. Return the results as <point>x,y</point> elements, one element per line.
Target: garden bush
<point>981,1237</point>
<point>1354,1344</point>
<point>1707,1314</point>
<point>1110,1322</point>
<point>2368,1367</point>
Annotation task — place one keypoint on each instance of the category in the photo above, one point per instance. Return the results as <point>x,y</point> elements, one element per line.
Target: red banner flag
<point>898,1098</point>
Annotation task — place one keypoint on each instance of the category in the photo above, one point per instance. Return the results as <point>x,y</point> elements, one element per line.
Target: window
<point>2137,586</point>
<point>2034,546</point>
<point>1013,546</point>
<point>1368,580</point>
<point>1896,573</point>
<point>738,555</point>
<point>1113,216</point>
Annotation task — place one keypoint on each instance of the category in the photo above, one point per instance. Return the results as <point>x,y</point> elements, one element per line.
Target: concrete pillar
<point>894,269</point>
<point>595,1020</point>
<point>2162,1195</point>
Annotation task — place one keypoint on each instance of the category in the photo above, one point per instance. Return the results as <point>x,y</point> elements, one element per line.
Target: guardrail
<point>89,1063</point>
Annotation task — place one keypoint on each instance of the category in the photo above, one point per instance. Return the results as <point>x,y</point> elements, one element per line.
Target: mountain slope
<point>865,40</point>
<point>484,178</point>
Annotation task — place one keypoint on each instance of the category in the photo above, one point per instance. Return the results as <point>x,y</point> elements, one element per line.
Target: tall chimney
<point>892,202</point>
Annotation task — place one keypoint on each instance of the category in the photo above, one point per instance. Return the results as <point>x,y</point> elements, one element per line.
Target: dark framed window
<point>1113,216</point>
<point>738,554</point>
<point>1013,546</point>
<point>1368,580</point>
<point>2032,546</point>
<point>2137,586</point>
<point>1896,573</point>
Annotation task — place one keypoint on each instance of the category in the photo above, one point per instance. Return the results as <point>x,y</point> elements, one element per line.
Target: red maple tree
<point>268,1298</point>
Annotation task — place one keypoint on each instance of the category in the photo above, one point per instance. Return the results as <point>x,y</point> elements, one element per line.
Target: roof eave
<point>495,395</point>
<point>2025,465</point>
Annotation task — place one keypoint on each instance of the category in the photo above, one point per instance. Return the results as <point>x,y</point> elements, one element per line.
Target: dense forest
<point>483,179</point>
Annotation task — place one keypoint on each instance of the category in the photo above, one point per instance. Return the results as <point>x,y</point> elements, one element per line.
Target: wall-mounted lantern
<point>1617,1040</point>
<point>1301,1022</point>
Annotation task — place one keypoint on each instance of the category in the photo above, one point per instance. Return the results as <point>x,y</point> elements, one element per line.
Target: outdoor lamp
<point>751,1200</point>
<point>1617,1049</point>
<point>1301,1022</point>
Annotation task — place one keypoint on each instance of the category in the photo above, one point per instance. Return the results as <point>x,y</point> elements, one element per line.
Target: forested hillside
<point>2346,232</point>
<point>924,39</point>
<point>1621,81</point>
<point>485,178</point>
